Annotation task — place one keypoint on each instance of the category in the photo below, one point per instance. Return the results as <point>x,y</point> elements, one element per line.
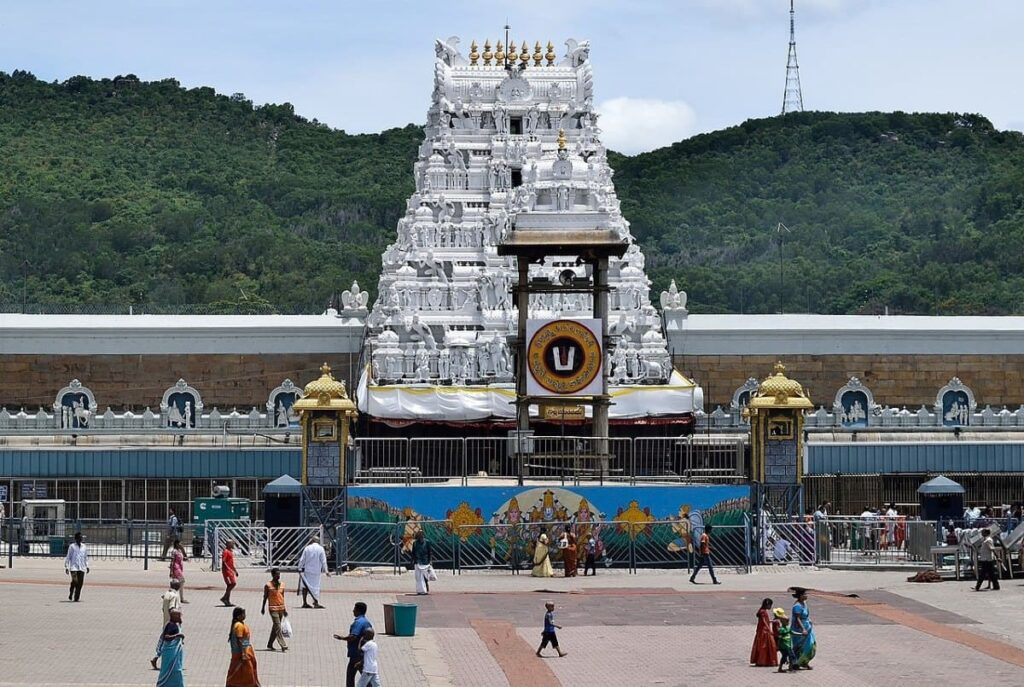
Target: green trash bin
<point>57,546</point>
<point>405,620</point>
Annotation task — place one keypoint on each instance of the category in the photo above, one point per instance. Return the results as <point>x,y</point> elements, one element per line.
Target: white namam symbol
<point>564,358</point>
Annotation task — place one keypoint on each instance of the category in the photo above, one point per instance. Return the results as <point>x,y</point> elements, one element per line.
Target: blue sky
<point>664,69</point>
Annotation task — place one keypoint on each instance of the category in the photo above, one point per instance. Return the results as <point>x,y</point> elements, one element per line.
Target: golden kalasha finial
<point>561,139</point>
<point>550,56</point>
<point>499,55</point>
<point>488,55</point>
<point>537,55</point>
<point>524,54</point>
<point>325,370</point>
<point>473,54</point>
<point>512,57</point>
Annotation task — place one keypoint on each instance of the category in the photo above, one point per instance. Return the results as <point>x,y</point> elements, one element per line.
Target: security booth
<point>282,502</point>
<point>941,499</point>
<point>43,523</point>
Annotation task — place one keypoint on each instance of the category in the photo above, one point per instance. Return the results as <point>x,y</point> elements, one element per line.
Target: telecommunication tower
<point>792,99</point>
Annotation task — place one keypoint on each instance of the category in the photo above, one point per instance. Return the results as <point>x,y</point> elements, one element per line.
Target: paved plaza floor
<point>481,629</point>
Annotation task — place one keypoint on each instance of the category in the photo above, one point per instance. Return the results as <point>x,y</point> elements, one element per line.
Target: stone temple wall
<point>896,380</point>
<point>138,381</point>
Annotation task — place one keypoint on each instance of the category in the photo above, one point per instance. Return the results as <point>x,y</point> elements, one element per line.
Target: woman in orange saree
<point>242,671</point>
<point>764,651</point>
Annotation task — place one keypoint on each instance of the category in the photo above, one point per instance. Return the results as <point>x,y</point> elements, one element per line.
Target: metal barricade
<point>694,458</point>
<point>489,457</point>
<point>437,458</point>
<point>732,545</point>
<point>383,460</point>
<point>390,543</point>
<point>784,542</point>
<point>662,544</point>
<point>493,546</point>
<point>874,541</point>
<point>372,544</point>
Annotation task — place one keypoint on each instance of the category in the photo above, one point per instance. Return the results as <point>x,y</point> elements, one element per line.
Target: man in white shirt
<point>890,525</point>
<point>987,562</point>
<point>369,677</point>
<point>312,563</point>
<point>76,564</point>
<point>169,601</point>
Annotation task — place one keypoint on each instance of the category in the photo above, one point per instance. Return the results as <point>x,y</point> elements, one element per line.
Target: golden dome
<point>327,384</point>
<point>778,390</point>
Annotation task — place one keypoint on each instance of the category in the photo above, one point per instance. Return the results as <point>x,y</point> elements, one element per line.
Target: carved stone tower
<point>511,134</point>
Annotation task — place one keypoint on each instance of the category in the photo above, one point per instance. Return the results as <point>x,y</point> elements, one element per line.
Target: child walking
<point>369,677</point>
<point>785,641</point>
<point>548,635</point>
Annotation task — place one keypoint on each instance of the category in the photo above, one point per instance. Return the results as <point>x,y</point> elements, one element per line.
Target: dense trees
<point>120,192</point>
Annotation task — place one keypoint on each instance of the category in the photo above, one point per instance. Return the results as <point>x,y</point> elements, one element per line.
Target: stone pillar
<point>601,404</point>
<point>523,407</point>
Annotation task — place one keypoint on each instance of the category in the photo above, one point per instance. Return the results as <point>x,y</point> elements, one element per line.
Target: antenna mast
<point>792,99</point>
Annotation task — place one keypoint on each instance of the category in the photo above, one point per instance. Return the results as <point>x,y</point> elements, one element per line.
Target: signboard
<point>33,490</point>
<point>3,492</point>
<point>564,357</point>
<point>562,413</point>
<point>323,463</point>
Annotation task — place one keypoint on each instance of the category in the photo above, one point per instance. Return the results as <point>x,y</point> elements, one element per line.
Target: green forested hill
<point>118,192</point>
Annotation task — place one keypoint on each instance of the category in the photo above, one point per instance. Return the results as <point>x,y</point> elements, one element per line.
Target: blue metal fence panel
<point>178,463</point>
<point>888,458</point>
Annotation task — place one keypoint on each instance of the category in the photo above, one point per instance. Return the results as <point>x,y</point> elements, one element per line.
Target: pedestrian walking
<point>704,557</point>
<point>169,601</point>
<point>354,638</point>
<point>764,649</point>
<point>423,561</point>
<point>987,569</point>
<point>784,640</point>
<point>548,636</point>
<point>805,642</point>
<point>590,557</point>
<point>369,676</point>
<point>228,571</point>
<point>76,564</point>
<point>172,532</point>
<point>177,567</point>
<point>312,563</point>
<point>273,597</point>
<point>242,672</point>
<point>172,653</point>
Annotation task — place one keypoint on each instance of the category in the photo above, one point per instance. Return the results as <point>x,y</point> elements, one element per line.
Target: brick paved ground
<point>481,629</point>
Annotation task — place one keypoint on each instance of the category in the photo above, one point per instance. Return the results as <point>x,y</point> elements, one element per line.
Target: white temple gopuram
<point>510,134</point>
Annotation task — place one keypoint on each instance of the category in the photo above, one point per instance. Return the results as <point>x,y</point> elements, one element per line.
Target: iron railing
<point>573,459</point>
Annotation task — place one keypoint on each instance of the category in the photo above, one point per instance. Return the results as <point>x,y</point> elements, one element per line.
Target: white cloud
<point>636,125</point>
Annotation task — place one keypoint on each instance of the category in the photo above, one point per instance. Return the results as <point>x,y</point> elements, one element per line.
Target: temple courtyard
<point>481,628</point>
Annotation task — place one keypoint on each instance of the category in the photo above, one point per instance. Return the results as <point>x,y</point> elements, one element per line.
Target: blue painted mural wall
<point>494,505</point>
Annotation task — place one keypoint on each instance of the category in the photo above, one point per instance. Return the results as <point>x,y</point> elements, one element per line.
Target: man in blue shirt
<point>354,639</point>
